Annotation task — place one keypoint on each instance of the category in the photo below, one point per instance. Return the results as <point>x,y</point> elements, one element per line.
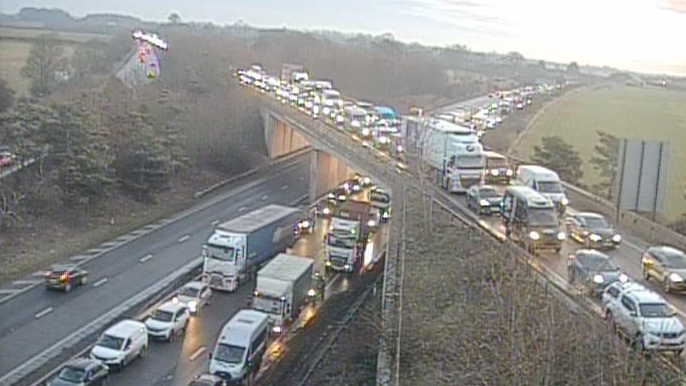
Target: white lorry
<point>347,237</point>
<point>235,247</point>
<point>281,289</point>
<point>454,153</point>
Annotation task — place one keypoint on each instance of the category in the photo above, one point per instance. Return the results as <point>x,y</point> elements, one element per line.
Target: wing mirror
<point>633,313</point>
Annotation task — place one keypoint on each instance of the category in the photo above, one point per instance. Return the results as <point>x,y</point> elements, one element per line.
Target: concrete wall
<point>326,173</point>
<point>280,138</point>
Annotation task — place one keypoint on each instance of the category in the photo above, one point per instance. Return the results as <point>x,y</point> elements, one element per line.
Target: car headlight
<point>356,187</point>
<point>311,292</point>
<point>564,201</point>
<point>385,215</point>
<point>617,238</point>
<point>509,172</point>
<point>594,237</point>
<point>366,131</point>
<point>495,172</point>
<point>675,278</point>
<point>193,305</point>
<point>623,278</point>
<point>367,180</point>
<point>355,124</point>
<point>598,279</point>
<point>339,119</point>
<point>342,198</point>
<point>276,329</point>
<point>326,110</point>
<point>371,223</point>
<point>399,148</point>
<point>383,140</point>
<point>305,224</point>
<point>326,210</point>
<point>561,236</point>
<point>533,235</point>
<point>483,202</point>
<point>328,263</point>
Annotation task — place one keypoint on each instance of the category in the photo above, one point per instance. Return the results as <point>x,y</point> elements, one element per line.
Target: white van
<point>241,344</point>
<point>546,182</point>
<point>121,343</point>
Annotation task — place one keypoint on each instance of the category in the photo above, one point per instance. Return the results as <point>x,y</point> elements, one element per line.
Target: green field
<point>30,33</point>
<point>626,112</point>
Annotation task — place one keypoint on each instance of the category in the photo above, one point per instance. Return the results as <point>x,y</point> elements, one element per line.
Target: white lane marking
<point>145,258</point>
<point>634,246</point>
<point>38,273</point>
<point>215,222</point>
<point>7,291</point>
<point>25,282</point>
<point>265,197</point>
<point>302,178</point>
<point>184,238</point>
<point>100,282</point>
<point>44,312</point>
<point>197,353</point>
<point>284,187</point>
<point>327,289</point>
<point>242,208</point>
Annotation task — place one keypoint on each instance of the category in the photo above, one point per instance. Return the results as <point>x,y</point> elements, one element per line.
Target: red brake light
<point>64,277</point>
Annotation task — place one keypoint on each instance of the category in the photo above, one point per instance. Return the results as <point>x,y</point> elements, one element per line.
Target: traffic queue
<point>531,200</point>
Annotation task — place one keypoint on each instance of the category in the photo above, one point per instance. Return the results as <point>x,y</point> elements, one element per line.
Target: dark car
<point>592,230</point>
<point>207,379</point>
<point>484,199</point>
<point>592,271</point>
<point>81,372</point>
<point>64,277</point>
<point>667,265</point>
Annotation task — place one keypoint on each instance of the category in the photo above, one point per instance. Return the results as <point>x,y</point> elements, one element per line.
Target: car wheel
<point>67,287</point>
<point>638,341</point>
<point>172,335</point>
<point>143,352</point>
<point>104,380</point>
<point>646,275</point>
<point>666,286</point>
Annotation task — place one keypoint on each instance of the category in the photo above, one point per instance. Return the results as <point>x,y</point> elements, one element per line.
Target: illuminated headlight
<point>175,300</point>
<point>383,140</point>
<point>356,187</point>
<point>326,110</point>
<point>309,104</point>
<point>355,124</point>
<point>561,235</point>
<point>346,186</point>
<point>385,215</point>
<point>533,235</point>
<point>509,172</point>
<point>495,172</point>
<point>371,223</point>
<point>564,201</point>
<point>623,278</point>
<point>366,131</point>
<point>326,210</point>
<point>331,196</point>
<point>328,263</point>
<point>617,238</point>
<point>367,180</point>
<point>276,329</point>
<point>598,279</point>
<point>399,148</point>
<point>342,197</point>
<point>193,305</point>
<point>311,292</point>
<point>594,237</point>
<point>675,278</point>
<point>483,202</point>
<point>340,119</point>
<point>305,224</point>
<point>346,267</point>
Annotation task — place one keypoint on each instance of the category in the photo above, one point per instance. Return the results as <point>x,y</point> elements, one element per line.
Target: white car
<point>644,317</point>
<point>168,320</point>
<point>195,295</point>
<point>121,344</point>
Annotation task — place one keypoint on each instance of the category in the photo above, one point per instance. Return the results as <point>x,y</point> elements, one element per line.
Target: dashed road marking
<point>184,238</point>
<point>242,208</point>
<point>78,258</point>
<point>25,282</point>
<point>43,313</point>
<point>215,222</point>
<point>197,353</point>
<point>265,197</point>
<point>7,291</point>
<point>145,258</point>
<point>284,187</point>
<point>100,282</point>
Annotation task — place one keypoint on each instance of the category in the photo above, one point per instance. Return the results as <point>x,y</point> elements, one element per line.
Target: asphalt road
<point>176,363</point>
<point>37,319</point>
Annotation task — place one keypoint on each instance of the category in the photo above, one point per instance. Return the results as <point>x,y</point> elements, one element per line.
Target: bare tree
<point>46,58</point>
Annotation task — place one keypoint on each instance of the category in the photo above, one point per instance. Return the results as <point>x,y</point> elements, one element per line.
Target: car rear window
<point>596,262</point>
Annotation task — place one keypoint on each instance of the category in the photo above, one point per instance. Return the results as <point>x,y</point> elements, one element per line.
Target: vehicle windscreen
<point>597,263</point>
<point>379,198</point>
<point>675,260</point>
<point>549,187</point>
<point>162,316</point>
<point>72,374</point>
<point>487,193</point>
<point>340,242</point>
<point>267,304</point>
<point>470,162</point>
<point>110,341</point>
<point>497,163</point>
<point>543,217</point>
<point>654,310</point>
<point>596,222</point>
<point>228,353</point>
<point>220,252</point>
<point>189,291</point>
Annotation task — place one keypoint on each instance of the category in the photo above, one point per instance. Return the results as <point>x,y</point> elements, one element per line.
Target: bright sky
<point>640,35</point>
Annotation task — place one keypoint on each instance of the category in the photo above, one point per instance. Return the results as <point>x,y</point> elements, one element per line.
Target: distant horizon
<point>480,25</point>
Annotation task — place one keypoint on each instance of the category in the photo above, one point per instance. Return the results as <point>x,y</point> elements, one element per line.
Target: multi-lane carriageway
<point>627,256</point>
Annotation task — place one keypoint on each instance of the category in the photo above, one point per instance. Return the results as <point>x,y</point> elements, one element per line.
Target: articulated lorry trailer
<point>237,247</point>
<point>347,236</point>
<point>282,289</point>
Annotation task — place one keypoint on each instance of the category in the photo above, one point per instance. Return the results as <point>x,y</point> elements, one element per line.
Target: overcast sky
<point>641,35</point>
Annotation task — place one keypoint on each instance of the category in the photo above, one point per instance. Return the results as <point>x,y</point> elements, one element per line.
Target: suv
<point>643,316</point>
<point>666,265</point>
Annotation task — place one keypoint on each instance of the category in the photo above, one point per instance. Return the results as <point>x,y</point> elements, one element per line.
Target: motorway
<point>176,363</point>
<point>36,319</point>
